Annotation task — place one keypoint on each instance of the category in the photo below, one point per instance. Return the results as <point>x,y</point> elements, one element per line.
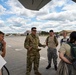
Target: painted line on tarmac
<point>18,49</point>
<point>9,46</point>
<point>42,58</point>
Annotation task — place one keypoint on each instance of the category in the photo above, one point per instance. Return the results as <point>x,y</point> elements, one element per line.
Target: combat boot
<point>49,65</point>
<point>38,73</point>
<point>55,66</point>
<point>27,73</point>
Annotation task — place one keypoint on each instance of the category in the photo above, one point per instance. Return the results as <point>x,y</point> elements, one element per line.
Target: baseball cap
<point>33,28</point>
<point>51,31</point>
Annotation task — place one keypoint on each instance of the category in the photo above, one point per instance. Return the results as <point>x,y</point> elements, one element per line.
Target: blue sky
<point>57,15</point>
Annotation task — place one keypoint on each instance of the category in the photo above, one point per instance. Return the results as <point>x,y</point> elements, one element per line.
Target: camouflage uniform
<point>52,53</point>
<point>52,42</point>
<point>33,55</point>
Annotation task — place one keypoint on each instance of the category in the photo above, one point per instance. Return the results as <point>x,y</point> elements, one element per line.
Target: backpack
<point>63,40</point>
<point>73,50</point>
<point>55,40</point>
<point>73,54</point>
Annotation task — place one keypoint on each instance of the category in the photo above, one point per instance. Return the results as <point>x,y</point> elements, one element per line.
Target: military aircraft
<point>74,0</point>
<point>35,4</point>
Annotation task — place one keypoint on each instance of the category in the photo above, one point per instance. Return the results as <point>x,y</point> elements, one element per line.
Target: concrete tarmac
<point>16,56</point>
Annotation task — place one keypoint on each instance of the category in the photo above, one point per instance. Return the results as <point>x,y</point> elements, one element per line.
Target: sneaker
<point>48,66</point>
<point>38,73</point>
<point>55,67</point>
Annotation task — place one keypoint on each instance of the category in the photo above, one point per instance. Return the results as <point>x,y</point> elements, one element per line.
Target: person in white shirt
<point>64,39</point>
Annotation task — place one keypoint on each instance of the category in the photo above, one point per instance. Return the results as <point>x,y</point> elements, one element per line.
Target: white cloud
<point>17,21</point>
<point>17,8</point>
<point>1,24</point>
<point>2,10</point>
<point>57,15</point>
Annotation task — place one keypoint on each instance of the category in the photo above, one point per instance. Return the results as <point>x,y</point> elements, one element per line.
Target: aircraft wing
<point>74,0</point>
<point>34,4</point>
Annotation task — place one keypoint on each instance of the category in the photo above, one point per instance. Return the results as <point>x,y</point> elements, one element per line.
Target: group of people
<point>32,44</point>
<point>65,66</point>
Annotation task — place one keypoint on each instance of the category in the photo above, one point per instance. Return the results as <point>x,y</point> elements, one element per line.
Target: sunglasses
<point>34,30</point>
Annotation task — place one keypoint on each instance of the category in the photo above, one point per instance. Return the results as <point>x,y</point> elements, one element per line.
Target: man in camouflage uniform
<point>52,43</point>
<point>31,44</point>
<point>2,46</point>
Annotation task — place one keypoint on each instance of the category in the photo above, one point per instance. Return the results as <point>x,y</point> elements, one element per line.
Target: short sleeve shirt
<point>65,49</point>
<point>51,42</point>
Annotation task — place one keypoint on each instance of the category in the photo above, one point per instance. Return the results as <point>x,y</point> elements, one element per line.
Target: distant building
<point>27,32</point>
<point>68,31</point>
